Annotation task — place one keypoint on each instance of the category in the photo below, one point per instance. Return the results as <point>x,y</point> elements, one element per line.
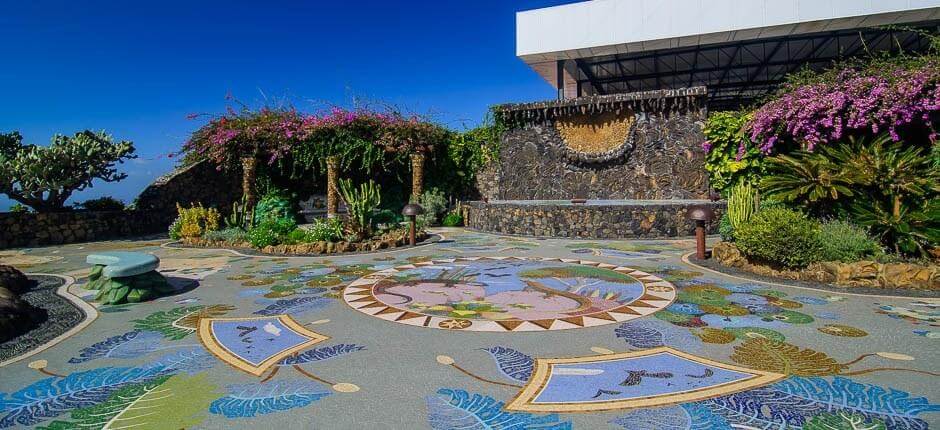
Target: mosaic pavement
<point>475,332</point>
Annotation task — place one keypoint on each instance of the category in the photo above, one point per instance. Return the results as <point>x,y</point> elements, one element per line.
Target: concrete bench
<point>121,264</point>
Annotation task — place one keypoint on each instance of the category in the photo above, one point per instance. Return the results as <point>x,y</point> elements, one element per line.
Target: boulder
<point>12,279</point>
<point>727,254</point>
<point>16,315</point>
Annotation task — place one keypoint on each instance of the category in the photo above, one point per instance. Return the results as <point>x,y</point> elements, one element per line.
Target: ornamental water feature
<point>611,166</point>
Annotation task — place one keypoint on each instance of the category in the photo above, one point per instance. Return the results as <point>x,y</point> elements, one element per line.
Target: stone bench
<point>121,264</point>
<point>122,277</point>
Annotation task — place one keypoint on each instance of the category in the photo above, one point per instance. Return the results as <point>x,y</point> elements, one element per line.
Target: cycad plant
<point>906,229</point>
<point>811,179</point>
<point>361,203</point>
<point>902,206</point>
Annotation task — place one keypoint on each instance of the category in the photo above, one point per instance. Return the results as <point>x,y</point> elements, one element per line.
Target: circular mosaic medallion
<point>509,294</point>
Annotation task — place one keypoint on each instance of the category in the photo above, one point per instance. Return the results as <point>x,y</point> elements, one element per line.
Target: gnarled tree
<point>44,177</point>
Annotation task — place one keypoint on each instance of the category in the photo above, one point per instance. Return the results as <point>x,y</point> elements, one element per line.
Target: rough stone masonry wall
<point>648,221</point>
<point>666,160</point>
<point>198,183</point>
<point>40,229</point>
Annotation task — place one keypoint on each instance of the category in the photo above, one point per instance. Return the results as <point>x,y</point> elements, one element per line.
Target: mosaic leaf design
<point>295,306</point>
<point>842,421</point>
<point>514,364</point>
<point>793,402</point>
<point>782,357</point>
<point>178,401</point>
<point>451,409</point>
<point>249,400</point>
<point>756,332</point>
<point>320,354</point>
<point>178,323</point>
<point>715,335</point>
<point>645,334</point>
<point>668,418</point>
<point>191,360</point>
<point>685,417</point>
<point>641,336</point>
<point>50,397</point>
<point>128,345</point>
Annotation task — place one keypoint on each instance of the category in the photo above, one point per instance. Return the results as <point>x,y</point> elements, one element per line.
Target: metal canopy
<point>739,73</point>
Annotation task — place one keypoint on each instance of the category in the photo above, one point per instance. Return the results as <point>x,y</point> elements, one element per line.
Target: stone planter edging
<point>864,274</point>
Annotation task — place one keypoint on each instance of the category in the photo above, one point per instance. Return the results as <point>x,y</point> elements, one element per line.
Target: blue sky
<point>138,69</point>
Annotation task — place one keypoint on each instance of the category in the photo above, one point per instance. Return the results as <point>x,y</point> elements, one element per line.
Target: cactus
<point>360,203</point>
<point>242,215</point>
<point>742,203</point>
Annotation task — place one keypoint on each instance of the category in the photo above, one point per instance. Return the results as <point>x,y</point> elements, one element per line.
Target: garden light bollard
<point>411,211</point>
<point>701,215</point>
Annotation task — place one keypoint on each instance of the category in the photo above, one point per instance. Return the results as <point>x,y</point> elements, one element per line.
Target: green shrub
<point>228,235</point>
<point>388,217</point>
<point>322,230</point>
<point>724,161</point>
<point>275,205</point>
<point>106,203</point>
<point>780,236</point>
<point>18,208</point>
<point>270,232</point>
<point>329,230</point>
<point>435,206</point>
<point>725,229</point>
<point>176,229</point>
<point>846,242</point>
<point>452,219</point>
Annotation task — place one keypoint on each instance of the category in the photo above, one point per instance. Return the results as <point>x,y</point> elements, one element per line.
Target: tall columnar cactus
<point>242,215</point>
<point>360,203</point>
<point>742,203</point>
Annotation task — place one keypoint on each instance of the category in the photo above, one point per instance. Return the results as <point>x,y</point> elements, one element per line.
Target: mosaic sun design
<point>639,379</point>
<point>509,294</point>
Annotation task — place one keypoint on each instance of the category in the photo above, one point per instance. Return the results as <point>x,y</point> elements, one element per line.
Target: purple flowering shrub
<point>859,101</point>
<point>278,133</point>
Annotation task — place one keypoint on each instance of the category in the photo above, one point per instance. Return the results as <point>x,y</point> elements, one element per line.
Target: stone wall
<point>647,221</point>
<point>660,156</point>
<point>40,229</point>
<point>197,183</point>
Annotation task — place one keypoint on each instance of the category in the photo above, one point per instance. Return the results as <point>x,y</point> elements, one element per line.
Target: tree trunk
<point>249,174</point>
<point>332,184</point>
<point>417,175</point>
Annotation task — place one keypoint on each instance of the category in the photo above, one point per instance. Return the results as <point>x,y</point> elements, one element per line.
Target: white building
<point>739,49</point>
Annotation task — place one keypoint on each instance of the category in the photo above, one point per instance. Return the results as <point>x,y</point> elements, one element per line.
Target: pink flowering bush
<point>850,101</point>
<point>361,137</point>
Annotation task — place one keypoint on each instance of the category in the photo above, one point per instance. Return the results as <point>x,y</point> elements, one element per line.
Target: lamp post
<point>411,211</point>
<point>701,215</point>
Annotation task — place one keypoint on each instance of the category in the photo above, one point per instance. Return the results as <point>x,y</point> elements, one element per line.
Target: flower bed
<point>390,240</point>
<point>868,274</point>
